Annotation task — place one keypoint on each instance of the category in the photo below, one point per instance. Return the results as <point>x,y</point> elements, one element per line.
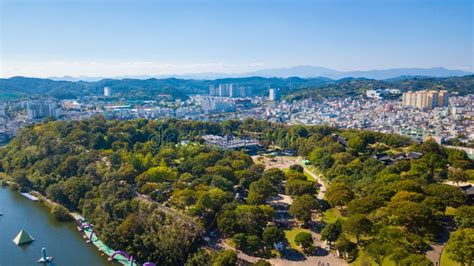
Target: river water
<point>61,239</point>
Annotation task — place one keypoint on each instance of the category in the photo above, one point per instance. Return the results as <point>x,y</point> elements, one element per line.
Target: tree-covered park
<point>126,176</point>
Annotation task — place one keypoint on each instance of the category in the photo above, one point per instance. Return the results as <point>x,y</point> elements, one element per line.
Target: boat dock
<point>28,195</point>
<point>101,245</point>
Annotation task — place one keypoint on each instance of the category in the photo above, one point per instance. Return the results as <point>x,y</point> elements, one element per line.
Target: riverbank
<point>87,233</point>
<point>60,239</point>
<point>91,237</point>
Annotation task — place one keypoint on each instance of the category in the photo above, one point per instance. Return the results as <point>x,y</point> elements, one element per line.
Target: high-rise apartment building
<point>245,91</point>
<point>426,99</point>
<point>229,90</point>
<point>38,110</point>
<point>107,92</point>
<point>224,89</point>
<point>233,91</point>
<point>274,94</point>
<point>2,111</point>
<point>212,90</point>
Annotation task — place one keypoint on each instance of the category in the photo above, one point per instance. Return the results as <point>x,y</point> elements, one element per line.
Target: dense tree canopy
<point>157,199</point>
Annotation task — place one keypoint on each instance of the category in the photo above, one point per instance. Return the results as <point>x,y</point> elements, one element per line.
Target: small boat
<point>44,258</point>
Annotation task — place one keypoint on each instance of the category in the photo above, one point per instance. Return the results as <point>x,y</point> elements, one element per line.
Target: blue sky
<point>113,38</point>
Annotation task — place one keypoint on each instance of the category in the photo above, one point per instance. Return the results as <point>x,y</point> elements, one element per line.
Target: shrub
<point>297,168</point>
<point>304,239</point>
<point>60,213</point>
<point>15,186</point>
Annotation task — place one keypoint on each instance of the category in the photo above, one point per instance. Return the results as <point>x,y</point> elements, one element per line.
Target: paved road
<point>322,189</point>
<point>434,255</point>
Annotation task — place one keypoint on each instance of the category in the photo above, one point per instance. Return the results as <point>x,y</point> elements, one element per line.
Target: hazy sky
<point>112,38</point>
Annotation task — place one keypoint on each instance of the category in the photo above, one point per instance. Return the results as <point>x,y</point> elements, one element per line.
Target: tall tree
<point>460,246</point>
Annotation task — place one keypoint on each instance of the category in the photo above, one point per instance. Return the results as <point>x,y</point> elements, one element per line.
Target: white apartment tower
<point>107,92</point>
<point>274,95</point>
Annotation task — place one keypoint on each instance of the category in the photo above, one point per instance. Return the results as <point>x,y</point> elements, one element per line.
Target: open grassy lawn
<point>291,234</point>
<point>309,177</point>
<point>450,211</point>
<point>330,216</point>
<point>446,261</point>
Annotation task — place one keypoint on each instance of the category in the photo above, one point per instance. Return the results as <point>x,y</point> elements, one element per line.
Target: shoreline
<point>75,217</point>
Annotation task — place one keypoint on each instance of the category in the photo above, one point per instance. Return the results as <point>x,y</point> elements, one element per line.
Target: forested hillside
<point>153,189</point>
<point>145,89</point>
<point>295,88</point>
<point>352,87</point>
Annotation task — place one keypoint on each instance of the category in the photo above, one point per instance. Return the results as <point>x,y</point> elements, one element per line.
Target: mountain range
<point>305,71</point>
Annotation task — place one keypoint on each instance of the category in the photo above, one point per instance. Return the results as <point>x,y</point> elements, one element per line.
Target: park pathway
<point>322,189</point>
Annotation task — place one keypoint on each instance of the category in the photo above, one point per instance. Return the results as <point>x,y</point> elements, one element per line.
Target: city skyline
<point>101,38</point>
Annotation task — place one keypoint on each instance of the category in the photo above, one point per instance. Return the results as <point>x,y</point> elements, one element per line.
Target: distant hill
<point>294,87</point>
<point>357,86</point>
<point>297,71</point>
<point>147,88</point>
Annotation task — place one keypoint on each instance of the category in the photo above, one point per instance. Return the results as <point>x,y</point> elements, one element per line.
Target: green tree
<point>302,207</point>
<point>272,235</point>
<point>69,167</point>
<point>254,244</point>
<point>275,175</point>
<point>184,198</point>
<point>457,175</point>
<point>460,246</point>
<point>225,258</point>
<point>416,260</point>
<point>379,251</point>
<point>260,191</point>
<point>414,216</point>
<point>346,247</point>
<point>357,144</point>
<point>331,232</point>
<point>297,168</point>
<point>200,258</point>
<point>407,196</point>
<point>464,217</point>
<point>304,239</point>
<point>76,188</point>
<point>55,192</point>
<point>240,240</point>
<point>296,187</point>
<point>450,195</point>
<point>339,194</point>
<point>364,205</point>
<point>357,225</point>
<point>60,213</point>
<point>157,174</point>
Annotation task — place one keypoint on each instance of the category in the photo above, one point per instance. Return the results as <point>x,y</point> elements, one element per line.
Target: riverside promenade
<point>94,239</point>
